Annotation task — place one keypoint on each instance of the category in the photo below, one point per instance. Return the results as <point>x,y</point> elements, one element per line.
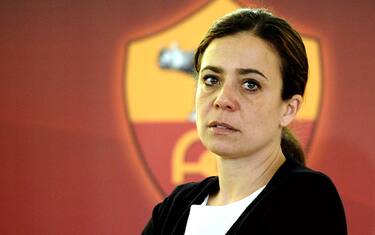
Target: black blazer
<point>297,200</point>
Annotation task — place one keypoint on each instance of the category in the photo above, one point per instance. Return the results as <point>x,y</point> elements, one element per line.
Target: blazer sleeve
<point>160,211</point>
<point>166,214</point>
<point>310,205</point>
<point>150,227</point>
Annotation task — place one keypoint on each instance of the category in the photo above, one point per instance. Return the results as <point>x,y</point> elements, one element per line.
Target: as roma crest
<point>159,96</point>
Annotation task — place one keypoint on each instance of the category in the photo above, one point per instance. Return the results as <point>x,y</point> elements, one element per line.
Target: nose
<point>226,98</point>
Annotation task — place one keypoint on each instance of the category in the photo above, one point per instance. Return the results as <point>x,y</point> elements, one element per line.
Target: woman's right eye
<point>210,80</point>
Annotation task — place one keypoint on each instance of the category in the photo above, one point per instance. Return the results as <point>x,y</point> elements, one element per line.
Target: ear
<point>291,108</point>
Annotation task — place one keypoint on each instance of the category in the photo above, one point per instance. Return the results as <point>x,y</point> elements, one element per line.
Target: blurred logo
<point>160,90</point>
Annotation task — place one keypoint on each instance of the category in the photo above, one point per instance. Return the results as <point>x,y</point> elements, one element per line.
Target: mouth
<point>221,125</point>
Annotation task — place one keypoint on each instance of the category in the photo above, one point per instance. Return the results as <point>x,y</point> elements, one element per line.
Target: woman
<point>251,74</point>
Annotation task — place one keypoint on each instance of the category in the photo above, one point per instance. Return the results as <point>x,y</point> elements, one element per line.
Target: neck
<point>239,177</point>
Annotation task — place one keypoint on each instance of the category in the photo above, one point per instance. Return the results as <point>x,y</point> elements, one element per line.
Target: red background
<point>68,164</point>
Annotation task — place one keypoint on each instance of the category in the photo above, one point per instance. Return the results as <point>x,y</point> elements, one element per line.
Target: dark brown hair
<point>289,46</point>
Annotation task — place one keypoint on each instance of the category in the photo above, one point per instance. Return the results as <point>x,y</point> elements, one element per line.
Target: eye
<point>251,85</point>
<point>210,80</point>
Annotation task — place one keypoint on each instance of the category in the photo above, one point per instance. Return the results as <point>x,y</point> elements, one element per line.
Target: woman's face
<point>238,99</point>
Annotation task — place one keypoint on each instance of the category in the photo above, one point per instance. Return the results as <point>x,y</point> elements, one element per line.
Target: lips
<point>221,125</point>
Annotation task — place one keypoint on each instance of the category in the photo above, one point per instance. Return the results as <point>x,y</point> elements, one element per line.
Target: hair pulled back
<point>282,38</point>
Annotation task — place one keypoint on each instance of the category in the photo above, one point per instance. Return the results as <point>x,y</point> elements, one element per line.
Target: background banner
<point>97,108</point>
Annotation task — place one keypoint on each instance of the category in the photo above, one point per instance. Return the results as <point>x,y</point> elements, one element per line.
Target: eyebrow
<point>241,71</point>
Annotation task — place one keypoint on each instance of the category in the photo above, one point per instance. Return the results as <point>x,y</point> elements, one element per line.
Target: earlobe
<point>292,106</point>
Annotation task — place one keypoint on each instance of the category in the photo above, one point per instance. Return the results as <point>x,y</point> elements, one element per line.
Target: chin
<point>222,150</point>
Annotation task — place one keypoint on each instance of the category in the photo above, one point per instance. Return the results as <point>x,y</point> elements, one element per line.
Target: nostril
<point>224,104</point>
<point>226,100</point>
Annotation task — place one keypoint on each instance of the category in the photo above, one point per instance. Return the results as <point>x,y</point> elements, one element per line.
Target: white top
<point>216,220</point>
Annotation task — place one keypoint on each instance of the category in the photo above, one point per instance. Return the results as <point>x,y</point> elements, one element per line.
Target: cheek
<point>199,113</point>
<point>262,112</point>
<point>201,101</point>
<point>199,108</point>
<point>198,103</point>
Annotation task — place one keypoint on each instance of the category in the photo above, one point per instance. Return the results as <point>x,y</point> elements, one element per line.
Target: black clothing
<point>297,200</point>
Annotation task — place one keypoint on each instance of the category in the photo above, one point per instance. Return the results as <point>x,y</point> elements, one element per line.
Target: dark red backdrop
<point>67,160</point>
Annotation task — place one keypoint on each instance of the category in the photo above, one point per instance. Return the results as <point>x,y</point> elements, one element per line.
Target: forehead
<point>242,50</point>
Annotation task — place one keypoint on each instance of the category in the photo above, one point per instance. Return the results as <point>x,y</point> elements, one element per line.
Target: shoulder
<point>303,180</point>
<point>184,195</point>
<point>294,185</point>
<point>171,214</point>
<point>301,198</point>
<point>193,189</point>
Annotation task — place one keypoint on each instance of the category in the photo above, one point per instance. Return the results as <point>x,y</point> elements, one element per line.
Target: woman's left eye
<point>251,85</point>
